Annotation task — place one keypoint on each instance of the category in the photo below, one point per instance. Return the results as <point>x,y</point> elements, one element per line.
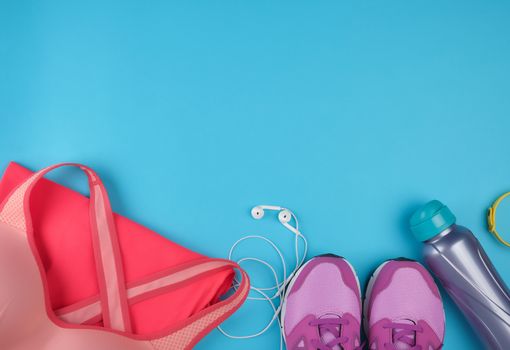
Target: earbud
<point>284,216</point>
<point>257,212</point>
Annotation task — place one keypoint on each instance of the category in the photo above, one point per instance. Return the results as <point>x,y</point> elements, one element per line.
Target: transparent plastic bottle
<point>458,260</point>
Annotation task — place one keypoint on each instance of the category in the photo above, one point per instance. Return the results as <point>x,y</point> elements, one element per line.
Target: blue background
<point>352,113</point>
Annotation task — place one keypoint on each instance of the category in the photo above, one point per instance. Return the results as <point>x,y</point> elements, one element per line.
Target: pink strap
<point>162,282</point>
<point>189,332</point>
<point>109,267</point>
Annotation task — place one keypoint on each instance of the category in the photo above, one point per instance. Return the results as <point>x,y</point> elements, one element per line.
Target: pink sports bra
<point>27,319</point>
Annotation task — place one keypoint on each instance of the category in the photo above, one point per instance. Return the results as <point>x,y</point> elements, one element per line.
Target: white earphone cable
<point>275,300</point>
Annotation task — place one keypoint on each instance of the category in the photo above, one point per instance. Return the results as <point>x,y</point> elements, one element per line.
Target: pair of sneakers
<point>322,309</point>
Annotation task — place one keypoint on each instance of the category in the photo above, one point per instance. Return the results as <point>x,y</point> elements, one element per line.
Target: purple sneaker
<point>322,306</point>
<point>403,308</point>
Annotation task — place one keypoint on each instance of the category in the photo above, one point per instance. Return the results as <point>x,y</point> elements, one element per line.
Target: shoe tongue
<point>400,345</point>
<point>326,334</point>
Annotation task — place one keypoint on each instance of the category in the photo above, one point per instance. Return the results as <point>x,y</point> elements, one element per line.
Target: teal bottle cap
<point>430,220</point>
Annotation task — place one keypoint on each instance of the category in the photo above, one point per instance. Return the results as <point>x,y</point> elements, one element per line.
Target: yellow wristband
<point>491,218</point>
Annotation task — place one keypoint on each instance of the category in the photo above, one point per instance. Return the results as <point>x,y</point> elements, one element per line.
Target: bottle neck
<point>441,234</point>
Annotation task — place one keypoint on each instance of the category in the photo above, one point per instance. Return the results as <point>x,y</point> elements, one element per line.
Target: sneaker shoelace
<point>332,326</point>
<point>405,335</point>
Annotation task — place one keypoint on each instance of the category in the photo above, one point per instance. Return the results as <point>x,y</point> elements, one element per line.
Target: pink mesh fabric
<point>398,301</point>
<point>184,338</point>
<point>326,291</point>
<point>12,213</point>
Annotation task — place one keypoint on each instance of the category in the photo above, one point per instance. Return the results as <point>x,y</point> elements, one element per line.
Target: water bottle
<point>458,260</point>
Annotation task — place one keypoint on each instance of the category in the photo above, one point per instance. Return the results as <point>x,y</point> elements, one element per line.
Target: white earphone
<point>285,216</point>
